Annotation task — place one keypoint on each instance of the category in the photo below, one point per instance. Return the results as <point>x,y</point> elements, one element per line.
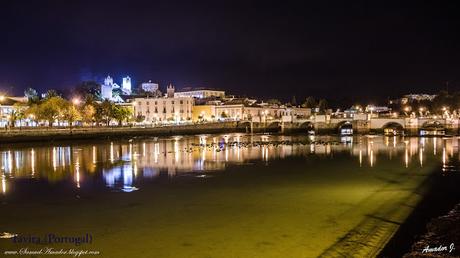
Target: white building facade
<point>163,110</point>
<point>126,85</point>
<point>150,86</point>
<point>108,87</point>
<point>241,112</point>
<point>200,94</point>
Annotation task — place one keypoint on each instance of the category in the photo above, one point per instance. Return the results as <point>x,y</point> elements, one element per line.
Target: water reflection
<point>123,163</point>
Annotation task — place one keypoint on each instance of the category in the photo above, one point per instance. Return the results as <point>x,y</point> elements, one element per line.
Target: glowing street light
<point>76,101</point>
<point>2,97</point>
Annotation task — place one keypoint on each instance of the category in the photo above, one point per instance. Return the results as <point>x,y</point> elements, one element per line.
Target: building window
<point>181,102</point>
<point>172,102</point>
<point>156,110</point>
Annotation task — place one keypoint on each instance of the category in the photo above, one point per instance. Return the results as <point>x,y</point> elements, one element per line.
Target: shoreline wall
<point>88,133</point>
<point>57,134</point>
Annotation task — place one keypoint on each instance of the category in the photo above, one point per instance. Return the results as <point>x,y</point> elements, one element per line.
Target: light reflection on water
<point>123,163</point>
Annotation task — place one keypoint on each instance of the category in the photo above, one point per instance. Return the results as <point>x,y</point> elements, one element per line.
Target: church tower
<point>126,85</point>
<point>170,91</point>
<point>106,88</point>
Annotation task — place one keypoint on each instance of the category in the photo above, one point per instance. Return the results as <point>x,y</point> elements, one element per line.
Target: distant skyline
<point>335,50</point>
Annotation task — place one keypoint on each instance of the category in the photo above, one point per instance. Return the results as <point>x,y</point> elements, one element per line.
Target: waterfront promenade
<point>66,133</point>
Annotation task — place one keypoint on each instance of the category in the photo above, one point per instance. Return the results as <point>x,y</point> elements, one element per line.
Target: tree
<point>32,112</point>
<point>121,114</point>
<point>88,113</point>
<point>16,114</point>
<point>70,113</point>
<point>107,111</point>
<point>51,109</point>
<point>87,88</point>
<point>310,102</point>
<point>140,118</point>
<point>32,95</point>
<point>294,101</point>
<point>50,94</point>
<point>322,105</point>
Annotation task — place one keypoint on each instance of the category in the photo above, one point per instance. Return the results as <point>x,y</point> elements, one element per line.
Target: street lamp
<point>76,101</point>
<point>2,97</point>
<point>421,109</point>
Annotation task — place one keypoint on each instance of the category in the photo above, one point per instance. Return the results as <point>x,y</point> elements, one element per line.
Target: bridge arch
<point>307,125</point>
<point>433,124</point>
<point>274,124</point>
<point>432,128</point>
<point>393,125</point>
<point>245,125</point>
<point>344,123</point>
<point>393,128</point>
<point>345,128</point>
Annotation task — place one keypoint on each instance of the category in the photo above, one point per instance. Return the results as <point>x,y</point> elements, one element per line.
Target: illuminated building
<point>170,91</point>
<point>126,85</point>
<point>164,110</point>
<point>200,94</point>
<point>149,86</point>
<point>107,89</point>
<point>242,112</point>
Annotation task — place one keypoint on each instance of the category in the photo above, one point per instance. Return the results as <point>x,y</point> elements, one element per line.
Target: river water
<point>232,195</point>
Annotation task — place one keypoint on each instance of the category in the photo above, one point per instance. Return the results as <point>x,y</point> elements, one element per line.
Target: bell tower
<point>170,91</point>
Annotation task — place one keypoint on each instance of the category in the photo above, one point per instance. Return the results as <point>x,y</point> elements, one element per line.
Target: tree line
<point>54,109</point>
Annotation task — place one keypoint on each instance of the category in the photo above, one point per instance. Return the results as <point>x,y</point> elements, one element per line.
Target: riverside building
<point>201,94</point>
<point>168,109</point>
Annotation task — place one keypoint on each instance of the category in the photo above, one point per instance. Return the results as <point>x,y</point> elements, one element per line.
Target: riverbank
<point>84,133</point>
<point>443,233</point>
<point>441,195</point>
<point>40,134</point>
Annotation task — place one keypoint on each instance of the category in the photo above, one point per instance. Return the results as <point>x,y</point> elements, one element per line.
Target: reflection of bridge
<point>359,124</point>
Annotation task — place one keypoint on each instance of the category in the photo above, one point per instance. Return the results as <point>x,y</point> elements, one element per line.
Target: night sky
<point>330,49</point>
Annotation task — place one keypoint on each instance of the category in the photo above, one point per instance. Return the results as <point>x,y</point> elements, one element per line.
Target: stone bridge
<point>359,123</point>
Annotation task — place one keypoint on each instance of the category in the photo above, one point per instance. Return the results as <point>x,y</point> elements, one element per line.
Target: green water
<point>217,195</point>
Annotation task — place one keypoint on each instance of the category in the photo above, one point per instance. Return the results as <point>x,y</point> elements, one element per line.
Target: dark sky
<point>323,48</point>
